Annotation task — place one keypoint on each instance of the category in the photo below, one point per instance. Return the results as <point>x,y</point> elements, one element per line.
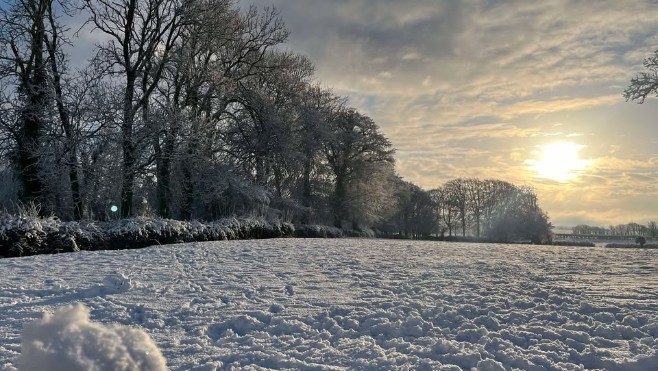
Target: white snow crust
<point>353,304</point>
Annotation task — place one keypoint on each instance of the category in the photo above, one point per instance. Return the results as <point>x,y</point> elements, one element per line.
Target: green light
<point>114,208</point>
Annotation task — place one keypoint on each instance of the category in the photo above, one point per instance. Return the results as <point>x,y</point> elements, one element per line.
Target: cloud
<point>470,88</point>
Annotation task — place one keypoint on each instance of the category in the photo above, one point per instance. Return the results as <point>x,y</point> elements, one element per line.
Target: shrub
<point>574,243</point>
<point>317,231</point>
<point>630,246</point>
<point>640,241</point>
<point>29,235</point>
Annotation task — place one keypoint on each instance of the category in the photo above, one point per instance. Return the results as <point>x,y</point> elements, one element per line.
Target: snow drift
<point>67,340</point>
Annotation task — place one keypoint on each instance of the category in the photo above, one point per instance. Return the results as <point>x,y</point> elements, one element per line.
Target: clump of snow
<point>117,283</point>
<point>67,340</point>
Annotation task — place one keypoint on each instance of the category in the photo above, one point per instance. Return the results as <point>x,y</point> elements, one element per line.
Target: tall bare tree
<point>142,34</point>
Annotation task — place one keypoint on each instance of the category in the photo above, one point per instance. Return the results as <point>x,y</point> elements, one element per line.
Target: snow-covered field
<point>355,304</point>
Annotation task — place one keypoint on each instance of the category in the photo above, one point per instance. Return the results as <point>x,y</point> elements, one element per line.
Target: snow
<point>351,304</point>
<point>67,340</point>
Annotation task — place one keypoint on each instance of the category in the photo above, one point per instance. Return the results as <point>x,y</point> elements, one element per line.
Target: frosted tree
<point>652,229</point>
<point>355,141</point>
<point>261,128</point>
<point>141,37</point>
<point>34,101</point>
<point>476,196</point>
<point>316,107</point>
<point>520,217</point>
<point>220,49</point>
<point>24,65</point>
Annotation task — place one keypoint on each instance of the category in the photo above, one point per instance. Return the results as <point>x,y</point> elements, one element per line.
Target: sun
<point>559,161</point>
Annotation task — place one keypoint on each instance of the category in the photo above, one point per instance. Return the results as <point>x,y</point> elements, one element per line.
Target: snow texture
<point>67,340</point>
<point>354,304</point>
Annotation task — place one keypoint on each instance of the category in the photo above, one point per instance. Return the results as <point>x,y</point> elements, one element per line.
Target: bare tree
<point>644,84</point>
<point>457,196</point>
<point>652,229</point>
<point>57,66</point>
<point>141,37</point>
<point>445,209</point>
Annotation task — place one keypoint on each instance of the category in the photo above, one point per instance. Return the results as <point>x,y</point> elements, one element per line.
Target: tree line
<point>190,109</point>
<point>194,109</point>
<point>482,208</point>
<point>630,229</point>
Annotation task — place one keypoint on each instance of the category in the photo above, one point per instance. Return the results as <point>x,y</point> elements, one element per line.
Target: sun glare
<point>559,162</point>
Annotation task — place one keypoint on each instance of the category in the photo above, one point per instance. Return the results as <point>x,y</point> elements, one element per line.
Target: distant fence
<point>590,237</point>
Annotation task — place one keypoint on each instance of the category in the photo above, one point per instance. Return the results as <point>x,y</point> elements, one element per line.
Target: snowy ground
<point>355,304</point>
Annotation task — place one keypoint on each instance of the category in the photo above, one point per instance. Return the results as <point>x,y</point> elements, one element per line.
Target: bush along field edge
<point>24,236</point>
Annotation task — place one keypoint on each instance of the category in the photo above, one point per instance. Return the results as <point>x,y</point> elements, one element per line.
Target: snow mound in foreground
<point>67,340</point>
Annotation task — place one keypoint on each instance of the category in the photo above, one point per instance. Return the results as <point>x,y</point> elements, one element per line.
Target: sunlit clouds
<point>485,88</point>
<point>558,161</point>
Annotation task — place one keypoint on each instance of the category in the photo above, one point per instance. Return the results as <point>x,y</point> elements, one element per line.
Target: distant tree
<point>583,229</point>
<point>521,218</point>
<point>652,229</point>
<point>457,197</point>
<point>416,212</point>
<point>445,210</point>
<point>475,202</point>
<point>640,241</point>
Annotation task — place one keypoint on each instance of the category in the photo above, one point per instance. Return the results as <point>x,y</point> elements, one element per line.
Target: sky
<point>525,91</point>
<point>529,92</point>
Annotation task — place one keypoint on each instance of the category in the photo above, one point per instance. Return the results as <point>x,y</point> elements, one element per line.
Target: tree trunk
<point>128,147</point>
<point>339,199</point>
<point>188,198</point>
<point>306,190</point>
<point>65,119</point>
<point>162,164</point>
<point>33,86</point>
<point>463,220</point>
<point>28,160</point>
<point>187,203</point>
